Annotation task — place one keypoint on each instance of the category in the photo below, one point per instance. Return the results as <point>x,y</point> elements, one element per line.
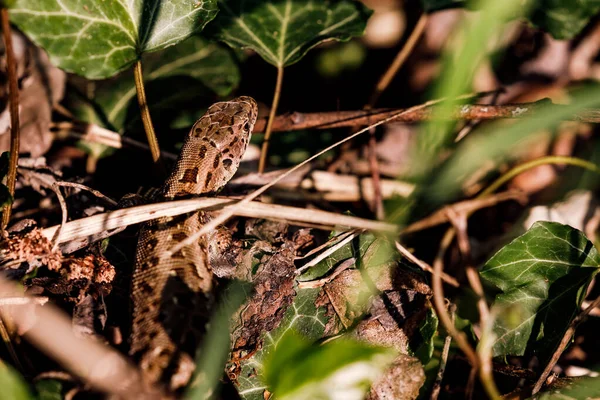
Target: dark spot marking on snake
<point>151,243</point>
<point>217,161</point>
<point>152,334</point>
<point>202,153</point>
<point>190,175</point>
<point>208,179</point>
<point>179,236</point>
<point>151,262</point>
<point>227,163</point>
<point>146,288</point>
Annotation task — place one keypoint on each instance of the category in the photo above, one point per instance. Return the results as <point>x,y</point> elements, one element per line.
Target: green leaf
<point>564,19</point>
<point>282,31</point>
<point>97,39</point>
<point>543,276</point>
<point>12,384</point>
<point>422,344</point>
<point>303,317</point>
<point>176,80</point>
<point>49,389</point>
<point>298,369</point>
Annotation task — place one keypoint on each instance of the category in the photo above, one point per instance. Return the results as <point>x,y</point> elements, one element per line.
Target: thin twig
<point>89,189</point>
<point>262,162</point>
<point>329,243</point>
<point>423,265</point>
<point>63,207</point>
<point>440,306</point>
<point>347,239</point>
<point>145,114</point>
<point>563,345</point>
<point>437,385</point>
<point>13,93</point>
<point>401,57</point>
<point>323,281</point>
<point>459,221</point>
<point>466,206</point>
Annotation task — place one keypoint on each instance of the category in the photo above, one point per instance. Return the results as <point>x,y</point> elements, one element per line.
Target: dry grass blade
<point>88,227</point>
<point>328,186</point>
<point>332,249</point>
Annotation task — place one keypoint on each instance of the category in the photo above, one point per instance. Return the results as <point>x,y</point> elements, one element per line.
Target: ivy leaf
<point>299,369</point>
<point>282,31</point>
<point>97,39</point>
<point>543,276</point>
<point>302,316</point>
<point>564,19</point>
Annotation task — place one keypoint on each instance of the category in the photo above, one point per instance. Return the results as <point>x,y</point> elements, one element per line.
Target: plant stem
<point>265,146</point>
<point>519,169</point>
<point>145,114</point>
<point>13,92</point>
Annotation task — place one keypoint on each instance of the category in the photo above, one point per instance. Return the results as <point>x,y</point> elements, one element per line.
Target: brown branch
<point>340,119</point>
<point>13,93</point>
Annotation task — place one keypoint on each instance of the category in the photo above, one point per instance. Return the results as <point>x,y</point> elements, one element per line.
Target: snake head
<point>213,149</point>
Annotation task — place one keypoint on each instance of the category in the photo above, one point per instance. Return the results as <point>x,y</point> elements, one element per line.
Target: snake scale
<point>172,294</point>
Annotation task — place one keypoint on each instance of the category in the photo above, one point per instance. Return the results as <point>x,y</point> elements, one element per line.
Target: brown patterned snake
<point>172,293</point>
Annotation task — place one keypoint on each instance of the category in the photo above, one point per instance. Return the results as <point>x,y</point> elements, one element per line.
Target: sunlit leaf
<point>97,39</point>
<point>543,276</point>
<point>282,31</point>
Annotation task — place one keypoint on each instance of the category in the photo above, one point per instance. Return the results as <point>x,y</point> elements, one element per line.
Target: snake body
<point>172,294</point>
